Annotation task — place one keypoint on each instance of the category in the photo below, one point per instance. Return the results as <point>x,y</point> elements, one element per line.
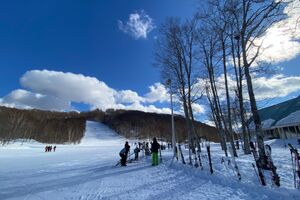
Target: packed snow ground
<point>87,171</point>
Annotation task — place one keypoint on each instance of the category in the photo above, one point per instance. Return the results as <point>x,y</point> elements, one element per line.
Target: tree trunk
<point>256,118</point>
<point>239,85</point>
<point>189,129</point>
<point>231,136</point>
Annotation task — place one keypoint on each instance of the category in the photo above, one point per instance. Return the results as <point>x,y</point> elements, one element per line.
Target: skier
<point>123,156</point>
<point>54,148</point>
<point>124,153</point>
<point>154,150</point>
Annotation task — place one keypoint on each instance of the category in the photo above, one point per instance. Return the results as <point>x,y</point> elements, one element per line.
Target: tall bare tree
<point>209,48</point>
<point>175,56</point>
<point>220,23</point>
<point>252,19</point>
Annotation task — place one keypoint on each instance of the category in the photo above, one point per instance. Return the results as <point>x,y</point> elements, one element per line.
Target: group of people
<point>138,147</point>
<point>49,148</point>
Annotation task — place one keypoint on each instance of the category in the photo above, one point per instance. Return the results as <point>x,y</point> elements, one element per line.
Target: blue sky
<point>85,38</point>
<point>80,37</point>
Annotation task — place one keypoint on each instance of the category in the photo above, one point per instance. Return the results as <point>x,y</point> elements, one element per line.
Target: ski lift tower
<point>169,83</point>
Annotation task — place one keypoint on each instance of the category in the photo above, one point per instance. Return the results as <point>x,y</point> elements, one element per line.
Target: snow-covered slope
<point>87,172</point>
<point>99,134</point>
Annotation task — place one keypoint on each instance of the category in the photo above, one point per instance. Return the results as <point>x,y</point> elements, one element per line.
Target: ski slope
<point>87,171</point>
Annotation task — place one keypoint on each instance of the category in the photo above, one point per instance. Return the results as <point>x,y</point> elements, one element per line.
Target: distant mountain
<point>69,127</point>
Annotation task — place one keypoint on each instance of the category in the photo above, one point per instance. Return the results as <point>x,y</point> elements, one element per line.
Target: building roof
<point>286,113</point>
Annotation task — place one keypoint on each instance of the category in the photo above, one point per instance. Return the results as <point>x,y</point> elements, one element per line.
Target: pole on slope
<point>169,83</point>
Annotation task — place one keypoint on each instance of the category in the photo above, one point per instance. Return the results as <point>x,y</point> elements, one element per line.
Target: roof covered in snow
<point>286,113</point>
<point>292,118</point>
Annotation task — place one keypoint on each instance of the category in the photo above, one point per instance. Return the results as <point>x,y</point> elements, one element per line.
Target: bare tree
<point>209,49</point>
<point>252,19</point>
<point>175,57</point>
<point>220,23</point>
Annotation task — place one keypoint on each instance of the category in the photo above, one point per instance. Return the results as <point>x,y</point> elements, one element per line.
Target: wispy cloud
<point>139,25</point>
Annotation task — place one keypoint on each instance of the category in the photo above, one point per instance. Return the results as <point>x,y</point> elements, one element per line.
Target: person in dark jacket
<point>154,150</point>
<point>123,156</point>
<point>147,150</point>
<point>127,147</point>
<point>136,153</point>
<point>124,153</point>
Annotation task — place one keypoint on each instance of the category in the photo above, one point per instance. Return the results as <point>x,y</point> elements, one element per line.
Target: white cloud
<point>282,41</point>
<point>149,108</point>
<point>210,123</point>
<point>70,87</point>
<point>128,96</point>
<point>158,92</point>
<point>52,90</point>
<point>264,87</point>
<point>25,99</point>
<point>138,25</point>
<point>276,86</point>
<point>198,108</point>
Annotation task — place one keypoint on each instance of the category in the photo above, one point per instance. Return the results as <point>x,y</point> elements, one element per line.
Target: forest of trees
<point>201,53</point>
<point>137,124</point>
<point>69,127</point>
<point>42,126</point>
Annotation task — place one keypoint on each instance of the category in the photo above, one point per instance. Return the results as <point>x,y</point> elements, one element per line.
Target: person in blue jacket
<point>124,153</point>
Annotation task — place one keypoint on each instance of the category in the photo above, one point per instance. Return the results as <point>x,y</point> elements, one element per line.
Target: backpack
<point>123,151</point>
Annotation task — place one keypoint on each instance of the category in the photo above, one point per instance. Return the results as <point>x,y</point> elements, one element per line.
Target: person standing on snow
<point>147,150</point>
<point>154,150</point>
<point>127,147</point>
<point>124,153</point>
<point>136,153</point>
<point>123,156</point>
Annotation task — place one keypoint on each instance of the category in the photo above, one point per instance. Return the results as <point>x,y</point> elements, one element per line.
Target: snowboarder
<point>154,150</point>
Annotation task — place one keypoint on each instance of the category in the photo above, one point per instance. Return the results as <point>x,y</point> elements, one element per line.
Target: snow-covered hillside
<point>87,171</point>
<point>98,134</point>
